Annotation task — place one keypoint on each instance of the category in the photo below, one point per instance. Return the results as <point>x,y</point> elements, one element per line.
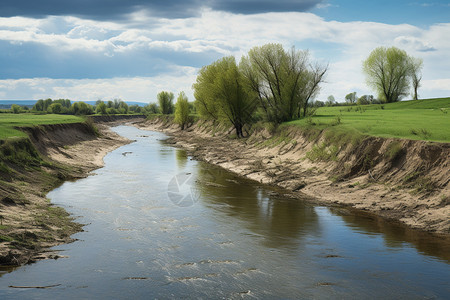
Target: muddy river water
<point>161,225</point>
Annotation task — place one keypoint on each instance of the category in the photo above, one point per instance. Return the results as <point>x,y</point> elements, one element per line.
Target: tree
<point>283,81</point>
<point>39,105</point>
<point>55,108</point>
<point>204,87</point>
<point>47,103</point>
<point>81,108</point>
<point>16,108</point>
<point>331,99</point>
<point>351,98</point>
<point>182,110</point>
<point>165,100</point>
<point>416,75</point>
<point>135,109</point>
<point>365,99</point>
<point>123,107</point>
<point>222,94</point>
<point>388,72</point>
<point>319,103</point>
<point>101,107</point>
<point>152,108</point>
<point>64,102</point>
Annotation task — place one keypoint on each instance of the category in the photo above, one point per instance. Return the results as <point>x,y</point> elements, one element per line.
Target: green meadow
<point>416,120</point>
<point>9,122</point>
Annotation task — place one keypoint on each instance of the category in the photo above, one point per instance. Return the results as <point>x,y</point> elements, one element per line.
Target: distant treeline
<point>67,107</point>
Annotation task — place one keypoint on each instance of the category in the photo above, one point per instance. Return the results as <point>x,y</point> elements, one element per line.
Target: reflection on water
<point>283,222</point>
<point>235,239</point>
<point>397,235</point>
<point>182,158</point>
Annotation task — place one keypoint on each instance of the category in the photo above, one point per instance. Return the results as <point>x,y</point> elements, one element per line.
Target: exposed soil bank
<point>115,118</point>
<point>29,168</point>
<point>401,180</point>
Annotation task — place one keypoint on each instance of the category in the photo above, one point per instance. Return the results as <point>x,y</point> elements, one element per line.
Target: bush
<point>55,108</point>
<point>16,108</point>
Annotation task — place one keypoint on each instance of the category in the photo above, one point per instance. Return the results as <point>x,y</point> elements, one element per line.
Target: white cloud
<point>141,89</point>
<point>343,44</point>
<point>437,84</point>
<point>413,43</point>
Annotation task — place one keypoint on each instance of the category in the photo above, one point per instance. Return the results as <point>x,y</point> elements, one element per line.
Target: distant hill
<point>6,104</point>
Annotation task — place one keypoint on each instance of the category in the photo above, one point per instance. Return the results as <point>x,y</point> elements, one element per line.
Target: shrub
<point>16,108</point>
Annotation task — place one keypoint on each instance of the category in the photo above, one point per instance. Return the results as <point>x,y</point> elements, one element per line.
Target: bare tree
<point>283,81</point>
<point>416,75</point>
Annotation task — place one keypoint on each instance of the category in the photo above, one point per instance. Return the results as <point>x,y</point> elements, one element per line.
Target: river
<point>161,225</point>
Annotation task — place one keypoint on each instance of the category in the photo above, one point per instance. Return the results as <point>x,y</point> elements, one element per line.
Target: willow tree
<point>416,76</point>
<point>283,81</point>
<point>182,110</point>
<point>204,89</point>
<point>165,100</point>
<point>389,72</point>
<point>221,94</point>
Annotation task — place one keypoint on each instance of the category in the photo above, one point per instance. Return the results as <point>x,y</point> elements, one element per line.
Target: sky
<point>87,50</point>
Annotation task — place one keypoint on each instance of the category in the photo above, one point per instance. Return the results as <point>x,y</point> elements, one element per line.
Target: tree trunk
<point>238,128</point>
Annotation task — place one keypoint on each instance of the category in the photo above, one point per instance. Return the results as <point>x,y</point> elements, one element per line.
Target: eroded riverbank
<point>30,224</point>
<point>411,187</point>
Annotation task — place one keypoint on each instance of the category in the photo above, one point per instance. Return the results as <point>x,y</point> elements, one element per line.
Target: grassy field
<point>8,122</point>
<point>417,120</point>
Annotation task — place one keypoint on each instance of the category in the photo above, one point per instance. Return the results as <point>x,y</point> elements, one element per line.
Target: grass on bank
<point>9,122</point>
<point>416,120</point>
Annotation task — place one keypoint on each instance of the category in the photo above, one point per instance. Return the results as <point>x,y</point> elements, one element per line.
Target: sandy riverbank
<point>381,189</point>
<point>30,223</point>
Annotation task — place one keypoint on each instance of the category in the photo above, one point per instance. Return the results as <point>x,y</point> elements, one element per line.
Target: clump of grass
<point>336,121</point>
<point>424,184</point>
<point>393,150</point>
<point>360,109</point>
<point>335,178</point>
<point>309,121</point>
<point>411,176</point>
<point>91,126</point>
<point>419,182</point>
<point>270,127</point>
<point>4,238</point>
<point>323,152</point>
<point>19,150</point>
<point>424,133</point>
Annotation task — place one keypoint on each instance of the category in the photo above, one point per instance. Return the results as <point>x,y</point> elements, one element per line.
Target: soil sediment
<point>400,180</point>
<point>30,224</point>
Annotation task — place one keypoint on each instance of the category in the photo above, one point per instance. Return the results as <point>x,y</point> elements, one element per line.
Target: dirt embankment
<point>117,118</point>
<point>29,168</point>
<point>400,180</point>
